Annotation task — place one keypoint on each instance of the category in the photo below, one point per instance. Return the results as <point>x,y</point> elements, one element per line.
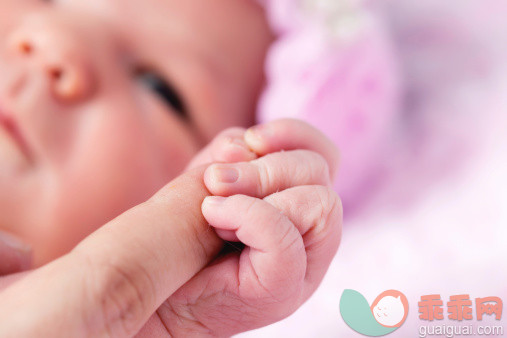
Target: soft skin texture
<point>15,254</point>
<point>291,231</point>
<point>114,280</point>
<point>118,277</point>
<point>334,66</point>
<point>94,141</point>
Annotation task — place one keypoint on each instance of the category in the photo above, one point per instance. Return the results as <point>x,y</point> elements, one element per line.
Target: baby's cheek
<point>67,219</point>
<point>85,199</point>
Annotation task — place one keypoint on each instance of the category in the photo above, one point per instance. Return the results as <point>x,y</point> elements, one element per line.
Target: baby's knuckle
<point>331,210</point>
<point>251,205</point>
<point>284,223</point>
<point>319,165</point>
<point>266,177</point>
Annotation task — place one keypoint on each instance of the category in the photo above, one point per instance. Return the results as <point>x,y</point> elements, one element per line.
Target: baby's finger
<point>316,211</point>
<point>290,134</point>
<point>228,146</point>
<point>275,255</point>
<point>268,174</point>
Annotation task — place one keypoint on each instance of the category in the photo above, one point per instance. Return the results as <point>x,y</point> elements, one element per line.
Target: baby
<point>104,102</point>
<point>109,100</point>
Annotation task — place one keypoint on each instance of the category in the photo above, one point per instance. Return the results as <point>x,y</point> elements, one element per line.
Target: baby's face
<point>102,102</point>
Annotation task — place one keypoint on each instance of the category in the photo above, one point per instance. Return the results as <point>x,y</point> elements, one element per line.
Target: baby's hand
<point>282,208</point>
<point>241,145</point>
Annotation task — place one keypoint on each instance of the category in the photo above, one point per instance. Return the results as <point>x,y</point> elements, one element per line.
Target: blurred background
<point>426,201</point>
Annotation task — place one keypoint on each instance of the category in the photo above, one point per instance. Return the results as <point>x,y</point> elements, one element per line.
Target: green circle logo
<point>385,315</point>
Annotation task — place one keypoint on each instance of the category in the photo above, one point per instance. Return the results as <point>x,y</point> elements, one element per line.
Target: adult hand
<point>112,283</point>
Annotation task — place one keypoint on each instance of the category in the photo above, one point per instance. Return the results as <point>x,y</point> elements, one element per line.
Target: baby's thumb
<point>15,255</point>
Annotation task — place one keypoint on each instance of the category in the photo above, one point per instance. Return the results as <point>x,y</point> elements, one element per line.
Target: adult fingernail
<point>226,174</point>
<point>14,243</point>
<point>214,200</point>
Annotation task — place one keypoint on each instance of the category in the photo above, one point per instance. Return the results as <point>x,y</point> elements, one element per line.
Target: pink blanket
<point>426,176</point>
<point>333,65</point>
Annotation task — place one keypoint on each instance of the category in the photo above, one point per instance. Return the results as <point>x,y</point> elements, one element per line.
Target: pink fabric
<point>348,88</point>
<point>438,223</point>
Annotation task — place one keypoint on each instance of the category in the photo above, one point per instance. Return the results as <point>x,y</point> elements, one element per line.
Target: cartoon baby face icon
<point>390,308</point>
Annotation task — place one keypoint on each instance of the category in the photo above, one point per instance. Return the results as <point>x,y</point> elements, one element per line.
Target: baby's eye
<point>161,87</point>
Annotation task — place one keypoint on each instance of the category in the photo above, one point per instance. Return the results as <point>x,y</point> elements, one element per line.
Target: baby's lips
<point>15,255</point>
<point>14,243</point>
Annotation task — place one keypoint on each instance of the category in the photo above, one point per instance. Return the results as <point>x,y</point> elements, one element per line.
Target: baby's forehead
<point>152,23</point>
<point>131,15</point>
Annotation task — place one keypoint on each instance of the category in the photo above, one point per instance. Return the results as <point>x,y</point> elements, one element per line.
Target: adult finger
<point>114,280</point>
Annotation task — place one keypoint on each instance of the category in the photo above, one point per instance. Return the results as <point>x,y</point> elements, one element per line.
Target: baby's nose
<point>57,53</point>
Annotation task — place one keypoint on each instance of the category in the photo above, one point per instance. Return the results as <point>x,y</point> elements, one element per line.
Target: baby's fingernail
<point>233,144</point>
<point>214,200</point>
<point>237,141</point>
<point>255,135</point>
<point>226,174</point>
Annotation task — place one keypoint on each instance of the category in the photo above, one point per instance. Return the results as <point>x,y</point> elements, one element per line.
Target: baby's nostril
<point>56,73</point>
<point>25,48</point>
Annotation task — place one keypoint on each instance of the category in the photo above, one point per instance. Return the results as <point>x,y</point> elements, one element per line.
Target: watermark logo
<point>459,307</point>
<point>386,314</point>
<point>460,313</point>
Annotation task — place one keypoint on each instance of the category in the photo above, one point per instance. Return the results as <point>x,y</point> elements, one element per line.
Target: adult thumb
<point>114,281</point>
